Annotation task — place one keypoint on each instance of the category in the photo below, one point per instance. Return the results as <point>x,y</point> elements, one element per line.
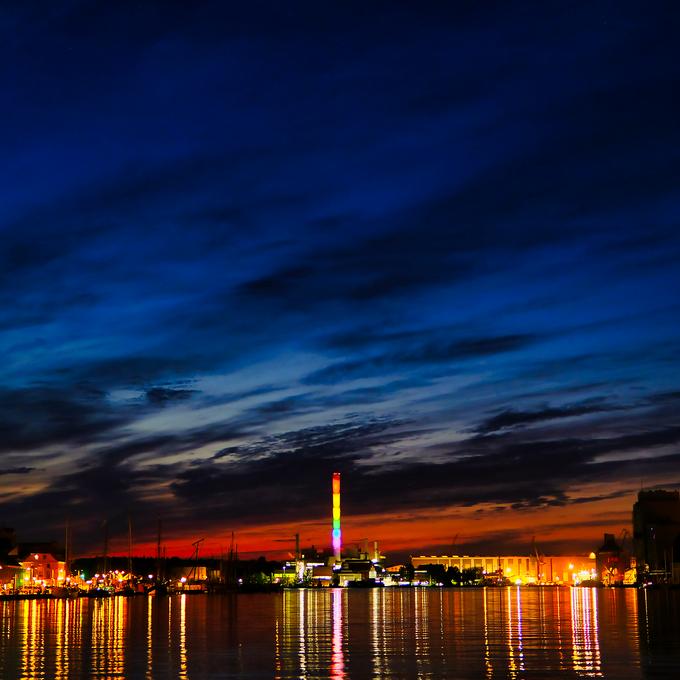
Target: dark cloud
<point>131,370</point>
<point>163,395</point>
<point>511,419</point>
<point>663,398</point>
<point>420,354</point>
<point>258,470</point>
<point>43,416</point>
<point>108,484</point>
<point>284,476</point>
<point>507,471</point>
<point>16,471</point>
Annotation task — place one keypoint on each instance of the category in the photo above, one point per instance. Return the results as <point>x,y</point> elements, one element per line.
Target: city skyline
<point>432,249</point>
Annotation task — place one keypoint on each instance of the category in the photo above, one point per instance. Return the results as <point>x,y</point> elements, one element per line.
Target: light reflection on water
<point>382,633</point>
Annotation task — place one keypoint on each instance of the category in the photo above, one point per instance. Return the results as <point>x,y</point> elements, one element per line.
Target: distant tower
<point>656,533</point>
<point>336,533</point>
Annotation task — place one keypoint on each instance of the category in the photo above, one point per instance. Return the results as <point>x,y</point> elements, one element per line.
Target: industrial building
<point>520,569</point>
<point>615,565</point>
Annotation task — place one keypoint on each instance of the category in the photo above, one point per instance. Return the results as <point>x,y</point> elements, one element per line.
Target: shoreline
<point>91,596</point>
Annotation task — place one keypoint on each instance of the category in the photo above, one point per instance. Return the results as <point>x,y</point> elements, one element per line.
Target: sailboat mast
<point>158,550</point>
<point>106,546</point>
<point>67,554</point>
<point>130,545</point>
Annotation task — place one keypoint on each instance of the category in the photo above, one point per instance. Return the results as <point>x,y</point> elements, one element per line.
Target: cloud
<point>511,418</point>
<point>16,471</point>
<point>39,416</point>
<point>160,396</point>
<point>422,354</point>
<point>285,476</point>
<point>297,459</point>
<point>507,470</point>
<point>130,370</point>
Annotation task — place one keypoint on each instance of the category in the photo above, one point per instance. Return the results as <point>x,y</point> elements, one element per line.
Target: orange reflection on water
<point>488,665</point>
<point>422,631</point>
<point>302,651</point>
<point>5,633</point>
<point>183,636</point>
<point>515,651</point>
<point>35,624</point>
<point>377,627</point>
<point>585,632</point>
<point>108,637</point>
<point>64,638</point>
<point>31,660</point>
<point>395,633</point>
<point>277,651</point>
<point>119,621</point>
<point>99,635</point>
<point>149,637</point>
<point>170,599</point>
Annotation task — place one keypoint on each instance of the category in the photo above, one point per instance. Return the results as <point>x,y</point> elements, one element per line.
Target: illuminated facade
<point>12,574</point>
<point>336,533</point>
<point>522,569</point>
<point>44,569</point>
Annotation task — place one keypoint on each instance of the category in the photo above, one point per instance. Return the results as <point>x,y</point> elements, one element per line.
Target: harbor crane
<point>194,569</point>
<point>539,559</point>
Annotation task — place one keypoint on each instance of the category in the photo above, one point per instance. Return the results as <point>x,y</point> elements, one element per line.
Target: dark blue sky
<point>436,249</point>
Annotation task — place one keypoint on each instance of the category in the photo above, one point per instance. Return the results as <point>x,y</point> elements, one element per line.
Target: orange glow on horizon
<point>581,526</point>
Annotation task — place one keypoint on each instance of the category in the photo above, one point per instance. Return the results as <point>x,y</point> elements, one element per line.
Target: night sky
<point>433,249</point>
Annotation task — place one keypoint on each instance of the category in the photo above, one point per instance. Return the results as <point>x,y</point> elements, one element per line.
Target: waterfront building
<point>357,569</point>
<point>43,563</point>
<point>656,534</point>
<point>322,575</point>
<point>520,569</point>
<point>615,566</point>
<point>188,572</point>
<point>302,571</point>
<point>12,574</point>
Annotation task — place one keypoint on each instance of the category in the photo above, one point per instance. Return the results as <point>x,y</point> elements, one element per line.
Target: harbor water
<point>379,633</point>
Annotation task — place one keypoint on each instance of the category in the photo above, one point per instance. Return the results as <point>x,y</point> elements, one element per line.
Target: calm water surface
<point>390,633</point>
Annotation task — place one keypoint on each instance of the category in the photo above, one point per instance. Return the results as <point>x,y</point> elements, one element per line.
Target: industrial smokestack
<point>336,533</point>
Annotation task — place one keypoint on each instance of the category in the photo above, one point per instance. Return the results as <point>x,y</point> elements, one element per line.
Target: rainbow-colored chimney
<point>336,533</point>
